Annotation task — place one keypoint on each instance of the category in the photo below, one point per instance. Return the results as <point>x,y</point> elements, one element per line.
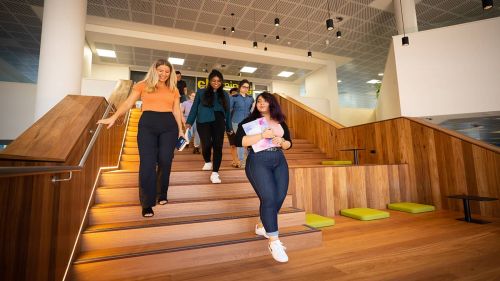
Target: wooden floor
<point>431,246</point>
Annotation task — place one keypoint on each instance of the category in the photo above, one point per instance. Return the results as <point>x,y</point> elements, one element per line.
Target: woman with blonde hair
<point>159,128</point>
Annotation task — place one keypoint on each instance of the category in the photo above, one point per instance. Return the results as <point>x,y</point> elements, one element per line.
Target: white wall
<point>17,108</point>
<point>322,83</point>
<point>287,88</point>
<point>388,105</point>
<point>94,87</point>
<point>450,70</point>
<point>356,116</point>
<point>109,72</point>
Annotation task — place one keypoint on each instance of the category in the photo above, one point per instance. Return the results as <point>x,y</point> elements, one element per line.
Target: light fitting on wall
<point>276,19</point>
<point>487,4</point>
<point>339,34</point>
<point>265,42</point>
<point>329,21</point>
<point>232,27</point>
<point>224,41</point>
<point>405,40</point>
<point>254,36</point>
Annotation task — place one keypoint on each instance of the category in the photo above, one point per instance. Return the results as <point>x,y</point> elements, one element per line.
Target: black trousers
<point>212,137</point>
<point>156,138</point>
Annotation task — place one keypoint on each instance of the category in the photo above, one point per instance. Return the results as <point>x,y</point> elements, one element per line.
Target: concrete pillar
<point>61,52</point>
<point>406,10</point>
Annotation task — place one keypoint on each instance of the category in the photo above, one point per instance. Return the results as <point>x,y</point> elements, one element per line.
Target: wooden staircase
<point>203,223</point>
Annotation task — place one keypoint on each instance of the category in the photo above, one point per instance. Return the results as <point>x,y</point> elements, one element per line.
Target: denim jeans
<point>267,171</point>
<point>241,150</point>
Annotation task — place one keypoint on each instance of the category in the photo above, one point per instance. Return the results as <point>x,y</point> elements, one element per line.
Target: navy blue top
<point>240,107</point>
<point>205,114</point>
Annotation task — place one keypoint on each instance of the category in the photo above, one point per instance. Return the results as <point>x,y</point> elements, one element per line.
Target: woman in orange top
<point>159,128</point>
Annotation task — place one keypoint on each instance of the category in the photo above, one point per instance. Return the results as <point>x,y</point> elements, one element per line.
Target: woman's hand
<point>181,134</point>
<point>108,121</point>
<point>268,133</point>
<point>188,126</point>
<point>278,141</point>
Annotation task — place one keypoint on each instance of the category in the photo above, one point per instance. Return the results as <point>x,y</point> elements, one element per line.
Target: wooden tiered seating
<point>203,223</point>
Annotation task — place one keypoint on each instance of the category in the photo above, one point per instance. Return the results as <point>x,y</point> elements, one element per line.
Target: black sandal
<point>147,212</point>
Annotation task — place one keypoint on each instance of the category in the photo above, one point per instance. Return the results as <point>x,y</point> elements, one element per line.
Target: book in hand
<point>256,127</point>
<point>181,143</point>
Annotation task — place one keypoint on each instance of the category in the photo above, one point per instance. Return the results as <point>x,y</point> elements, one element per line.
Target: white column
<point>61,52</point>
<point>409,14</point>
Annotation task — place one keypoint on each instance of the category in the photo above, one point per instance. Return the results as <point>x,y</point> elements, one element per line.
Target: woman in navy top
<point>241,105</point>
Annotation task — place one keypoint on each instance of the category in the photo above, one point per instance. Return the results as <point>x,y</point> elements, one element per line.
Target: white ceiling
<point>366,32</point>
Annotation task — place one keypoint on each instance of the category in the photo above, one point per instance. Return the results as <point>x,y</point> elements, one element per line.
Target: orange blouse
<point>161,100</point>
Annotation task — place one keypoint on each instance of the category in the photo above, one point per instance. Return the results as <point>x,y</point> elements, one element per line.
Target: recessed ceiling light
<point>373,81</point>
<point>339,81</point>
<point>106,53</point>
<point>285,74</point>
<point>176,61</point>
<point>248,69</point>
<point>381,74</point>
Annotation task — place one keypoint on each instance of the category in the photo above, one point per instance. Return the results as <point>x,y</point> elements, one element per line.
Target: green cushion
<point>413,208</point>
<point>336,162</point>
<point>319,221</point>
<point>364,214</point>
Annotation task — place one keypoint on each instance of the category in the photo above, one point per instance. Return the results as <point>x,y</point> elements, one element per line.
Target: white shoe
<point>278,251</point>
<point>260,231</point>
<point>207,166</point>
<point>214,178</point>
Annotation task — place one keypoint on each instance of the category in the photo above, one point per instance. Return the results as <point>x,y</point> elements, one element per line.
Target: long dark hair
<point>274,108</point>
<point>208,97</point>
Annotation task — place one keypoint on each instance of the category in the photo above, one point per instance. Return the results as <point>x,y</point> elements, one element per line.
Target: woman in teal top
<point>211,112</point>
<point>241,106</point>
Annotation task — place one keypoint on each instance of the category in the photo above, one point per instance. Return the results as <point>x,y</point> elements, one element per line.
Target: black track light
<point>405,40</point>
<point>339,34</point>
<point>224,42</point>
<point>277,38</point>
<point>276,22</point>
<point>487,4</point>
<point>329,24</point>
<point>255,44</point>
<point>232,27</point>
<point>309,54</point>
<point>265,48</point>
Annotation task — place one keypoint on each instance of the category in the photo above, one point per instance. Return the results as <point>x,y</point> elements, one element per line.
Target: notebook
<point>255,127</point>
<point>181,143</point>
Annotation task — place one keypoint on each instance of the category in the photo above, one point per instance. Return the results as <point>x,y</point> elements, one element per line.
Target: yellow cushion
<point>413,208</point>
<point>364,214</point>
<point>336,162</point>
<point>318,221</point>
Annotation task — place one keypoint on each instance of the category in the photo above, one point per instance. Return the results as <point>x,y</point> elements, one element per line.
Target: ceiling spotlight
<point>405,40</point>
<point>265,48</point>
<point>277,38</point>
<point>487,4</point>
<point>329,24</point>
<point>276,22</point>
<point>309,54</point>
<point>255,44</point>
<point>339,34</point>
<point>232,27</point>
<point>224,42</point>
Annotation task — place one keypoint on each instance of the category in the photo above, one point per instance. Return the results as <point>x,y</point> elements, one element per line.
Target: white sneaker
<point>214,178</point>
<point>260,231</point>
<point>278,251</point>
<point>207,166</point>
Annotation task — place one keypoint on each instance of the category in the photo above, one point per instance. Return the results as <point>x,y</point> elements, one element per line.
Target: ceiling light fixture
<point>276,20</point>
<point>254,36</point>
<point>106,53</point>
<point>309,53</point>
<point>339,34</point>
<point>224,41</point>
<point>248,69</point>
<point>487,4</point>
<point>232,27</point>
<point>374,81</point>
<point>285,74</point>
<point>329,21</point>
<point>265,42</point>
<point>405,40</point>
<point>176,61</point>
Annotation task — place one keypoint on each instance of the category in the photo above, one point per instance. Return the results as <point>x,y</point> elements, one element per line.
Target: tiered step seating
<point>202,223</point>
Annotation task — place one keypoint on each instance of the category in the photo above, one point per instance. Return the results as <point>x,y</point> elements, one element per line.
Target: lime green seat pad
<point>413,208</point>
<point>364,214</point>
<point>336,162</point>
<point>319,221</point>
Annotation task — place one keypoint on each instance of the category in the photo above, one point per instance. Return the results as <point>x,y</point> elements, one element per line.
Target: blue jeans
<point>267,171</point>
<point>196,135</point>
<point>240,150</point>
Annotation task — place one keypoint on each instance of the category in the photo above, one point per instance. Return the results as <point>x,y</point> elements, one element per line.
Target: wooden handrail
<point>312,111</point>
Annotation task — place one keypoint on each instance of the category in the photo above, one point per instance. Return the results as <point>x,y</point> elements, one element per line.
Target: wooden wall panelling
<point>487,167</point>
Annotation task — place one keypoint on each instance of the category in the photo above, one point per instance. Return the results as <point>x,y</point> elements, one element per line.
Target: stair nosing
<point>159,223</point>
<point>308,230</point>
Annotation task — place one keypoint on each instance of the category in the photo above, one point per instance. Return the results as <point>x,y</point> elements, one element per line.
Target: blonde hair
<point>152,78</point>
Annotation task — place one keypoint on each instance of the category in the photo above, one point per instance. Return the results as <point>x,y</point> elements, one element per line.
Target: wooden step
<point>225,165</point>
<point>127,178</point>
<point>175,192</point>
<point>156,230</point>
<point>123,212</point>
<point>140,261</point>
<point>195,158</point>
<point>226,151</point>
<point>132,135</point>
